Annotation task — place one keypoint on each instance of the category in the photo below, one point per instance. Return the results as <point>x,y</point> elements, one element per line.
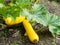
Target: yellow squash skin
<point>30,32</point>
<point>9,20</point>
<point>11,4</point>
<point>19,19</point>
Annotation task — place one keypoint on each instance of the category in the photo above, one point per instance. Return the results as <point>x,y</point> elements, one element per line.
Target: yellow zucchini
<point>19,19</point>
<point>30,32</point>
<point>10,21</point>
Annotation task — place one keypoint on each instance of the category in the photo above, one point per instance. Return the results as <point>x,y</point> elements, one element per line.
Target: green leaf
<point>35,13</point>
<point>53,19</point>
<point>55,30</point>
<point>1,5</point>
<point>49,19</point>
<point>13,11</point>
<point>26,13</point>
<point>23,2</point>
<point>38,9</point>
<point>3,11</point>
<point>1,1</point>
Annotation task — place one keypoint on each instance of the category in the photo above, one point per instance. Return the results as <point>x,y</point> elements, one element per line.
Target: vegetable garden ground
<point>14,35</point>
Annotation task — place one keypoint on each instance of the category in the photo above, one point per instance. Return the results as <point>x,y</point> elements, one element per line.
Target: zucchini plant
<point>40,14</point>
<point>13,15</point>
<point>17,11</point>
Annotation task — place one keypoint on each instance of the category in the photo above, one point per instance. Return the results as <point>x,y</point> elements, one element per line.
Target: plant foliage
<point>36,12</point>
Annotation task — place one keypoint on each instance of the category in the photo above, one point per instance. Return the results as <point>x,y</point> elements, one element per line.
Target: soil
<point>15,35</point>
